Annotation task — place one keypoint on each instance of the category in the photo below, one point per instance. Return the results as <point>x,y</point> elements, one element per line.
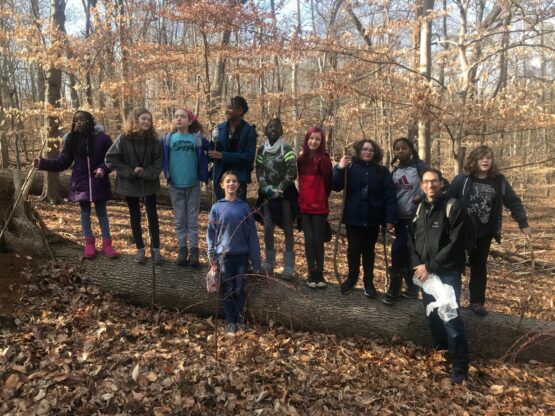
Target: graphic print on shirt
<point>403,183</point>
<point>183,160</point>
<point>481,199</point>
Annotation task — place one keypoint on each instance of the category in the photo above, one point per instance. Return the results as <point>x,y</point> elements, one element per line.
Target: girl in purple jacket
<point>85,148</point>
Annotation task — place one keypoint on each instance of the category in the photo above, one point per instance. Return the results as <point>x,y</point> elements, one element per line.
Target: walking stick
<point>21,191</point>
<point>387,277</point>
<point>153,300</point>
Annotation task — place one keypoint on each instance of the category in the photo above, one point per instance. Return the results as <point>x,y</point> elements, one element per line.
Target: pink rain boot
<point>107,248</point>
<point>90,250</point>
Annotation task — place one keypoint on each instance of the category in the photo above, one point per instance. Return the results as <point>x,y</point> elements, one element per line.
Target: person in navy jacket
<point>234,148</point>
<point>370,202</point>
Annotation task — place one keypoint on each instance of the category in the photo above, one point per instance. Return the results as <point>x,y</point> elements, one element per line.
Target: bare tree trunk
<point>425,69</point>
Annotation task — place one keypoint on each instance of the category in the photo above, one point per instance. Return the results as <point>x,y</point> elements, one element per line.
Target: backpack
<point>469,229</point>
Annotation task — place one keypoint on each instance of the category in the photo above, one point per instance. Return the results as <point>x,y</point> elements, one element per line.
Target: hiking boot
<point>389,299</point>
<point>479,309</point>
<point>107,248</point>
<point>157,256</point>
<point>90,250</point>
<point>230,329</point>
<point>320,281</point>
<point>288,265</point>
<point>140,256</point>
<point>270,259</point>
<point>242,327</point>
<point>395,281</point>
<point>182,254</point>
<point>457,377</point>
<point>311,281</point>
<point>194,257</point>
<point>370,290</point>
<point>410,294</point>
<point>348,285</point>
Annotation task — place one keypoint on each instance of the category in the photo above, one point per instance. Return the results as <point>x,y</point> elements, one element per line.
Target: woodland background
<point>449,74</point>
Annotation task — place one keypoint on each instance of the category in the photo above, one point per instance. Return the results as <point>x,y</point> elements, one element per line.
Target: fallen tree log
<point>294,305</point>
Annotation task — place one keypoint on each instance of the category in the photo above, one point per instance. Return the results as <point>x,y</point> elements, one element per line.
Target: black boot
<point>393,292</point>
<point>348,284</point>
<point>369,288</point>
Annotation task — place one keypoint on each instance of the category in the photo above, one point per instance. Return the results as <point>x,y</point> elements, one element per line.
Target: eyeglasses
<point>367,149</point>
<point>431,182</point>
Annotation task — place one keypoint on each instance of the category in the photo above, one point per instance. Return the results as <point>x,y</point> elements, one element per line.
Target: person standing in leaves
<point>85,147</point>
<point>370,202</point>
<point>235,147</point>
<point>136,156</point>
<point>276,171</point>
<point>484,192</point>
<point>436,245</point>
<point>315,173</point>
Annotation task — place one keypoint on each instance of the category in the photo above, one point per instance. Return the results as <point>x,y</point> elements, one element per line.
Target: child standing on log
<point>185,165</point>
<point>232,241</point>
<point>315,171</point>
<point>407,168</point>
<point>483,192</point>
<point>136,156</point>
<point>85,147</point>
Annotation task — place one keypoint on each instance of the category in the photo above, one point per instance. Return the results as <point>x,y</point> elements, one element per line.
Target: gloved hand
<point>273,193</point>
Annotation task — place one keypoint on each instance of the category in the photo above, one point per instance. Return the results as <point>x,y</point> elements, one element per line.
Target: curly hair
<point>131,127</point>
<point>471,163</point>
<point>378,151</point>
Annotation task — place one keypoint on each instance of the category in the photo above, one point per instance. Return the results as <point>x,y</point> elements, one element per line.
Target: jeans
<point>314,228</point>
<point>400,260</point>
<point>449,335</point>
<point>186,207</point>
<point>232,270</point>
<point>286,222</point>
<point>135,215</point>
<point>361,241</point>
<point>478,269</point>
<point>102,215</point>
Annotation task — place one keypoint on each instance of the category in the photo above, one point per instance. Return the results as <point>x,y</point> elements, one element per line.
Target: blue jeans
<point>400,260</point>
<point>232,269</point>
<point>449,335</point>
<point>100,208</point>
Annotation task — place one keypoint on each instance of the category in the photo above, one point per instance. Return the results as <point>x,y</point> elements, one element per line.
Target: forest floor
<point>68,348</point>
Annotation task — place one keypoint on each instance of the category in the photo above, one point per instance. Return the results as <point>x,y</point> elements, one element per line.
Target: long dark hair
<point>73,136</point>
<point>378,151</point>
<point>410,144</point>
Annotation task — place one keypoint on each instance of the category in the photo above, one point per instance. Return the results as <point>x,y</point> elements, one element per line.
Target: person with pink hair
<point>185,165</point>
<point>315,175</point>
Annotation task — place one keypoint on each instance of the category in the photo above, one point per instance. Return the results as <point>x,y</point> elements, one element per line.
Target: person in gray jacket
<point>136,156</point>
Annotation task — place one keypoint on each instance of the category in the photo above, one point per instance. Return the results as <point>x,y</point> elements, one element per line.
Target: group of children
<point>374,198</point>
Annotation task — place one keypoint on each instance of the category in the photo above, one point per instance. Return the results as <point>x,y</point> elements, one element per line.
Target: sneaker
<point>182,254</point>
<point>194,257</point>
<point>230,330</point>
<point>370,290</point>
<point>479,309</point>
<point>410,294</point>
<point>458,377</point>
<point>347,286</point>
<point>389,299</point>
<point>311,281</point>
<point>243,327</point>
<point>140,256</point>
<point>157,256</point>
<point>320,281</point>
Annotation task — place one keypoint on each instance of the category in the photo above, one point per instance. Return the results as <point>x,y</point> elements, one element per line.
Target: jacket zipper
<point>90,180</point>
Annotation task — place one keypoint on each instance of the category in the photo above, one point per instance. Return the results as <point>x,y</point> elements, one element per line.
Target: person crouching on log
<point>315,172</point>
<point>483,192</point>
<point>276,171</point>
<point>232,241</point>
<point>85,147</point>
<point>136,156</point>
<point>370,201</point>
<point>185,165</point>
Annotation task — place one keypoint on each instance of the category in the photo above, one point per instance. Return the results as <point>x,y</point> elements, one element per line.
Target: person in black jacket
<point>483,191</point>
<point>436,244</point>
<point>370,202</point>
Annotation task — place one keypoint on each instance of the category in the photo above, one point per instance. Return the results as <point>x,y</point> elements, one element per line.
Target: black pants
<point>361,241</point>
<point>135,214</point>
<point>314,228</point>
<point>478,269</point>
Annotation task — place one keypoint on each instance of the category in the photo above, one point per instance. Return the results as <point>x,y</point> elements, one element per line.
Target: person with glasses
<point>370,202</point>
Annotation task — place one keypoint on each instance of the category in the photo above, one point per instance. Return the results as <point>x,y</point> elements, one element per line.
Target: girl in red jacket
<point>315,173</point>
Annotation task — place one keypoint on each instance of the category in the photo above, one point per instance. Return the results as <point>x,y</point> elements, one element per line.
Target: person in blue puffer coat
<point>370,202</point>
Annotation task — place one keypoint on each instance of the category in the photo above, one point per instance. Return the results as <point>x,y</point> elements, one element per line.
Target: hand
<point>214,154</point>
<point>527,231</point>
<point>99,173</point>
<point>36,163</point>
<point>421,272</point>
<point>138,170</point>
<point>389,227</point>
<point>344,162</point>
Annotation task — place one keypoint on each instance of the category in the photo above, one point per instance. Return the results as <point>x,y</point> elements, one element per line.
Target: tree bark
<point>294,305</point>
<point>425,69</point>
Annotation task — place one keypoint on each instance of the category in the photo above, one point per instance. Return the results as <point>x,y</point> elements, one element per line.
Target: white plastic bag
<point>213,279</point>
<point>444,295</point>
